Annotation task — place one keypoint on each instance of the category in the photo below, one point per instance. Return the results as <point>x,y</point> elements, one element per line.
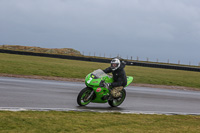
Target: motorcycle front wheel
<point>117,101</point>
<point>84,97</point>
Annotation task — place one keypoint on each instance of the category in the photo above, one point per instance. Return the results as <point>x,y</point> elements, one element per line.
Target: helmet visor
<point>114,65</point>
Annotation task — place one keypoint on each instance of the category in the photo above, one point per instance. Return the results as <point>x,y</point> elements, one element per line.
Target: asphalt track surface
<point>31,94</point>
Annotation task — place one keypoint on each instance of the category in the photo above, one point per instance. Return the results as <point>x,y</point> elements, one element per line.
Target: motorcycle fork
<point>90,95</point>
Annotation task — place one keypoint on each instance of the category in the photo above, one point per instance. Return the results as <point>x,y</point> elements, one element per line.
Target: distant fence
<point>102,60</point>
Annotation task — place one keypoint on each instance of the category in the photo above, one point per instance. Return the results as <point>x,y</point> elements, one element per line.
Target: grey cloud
<point>146,28</point>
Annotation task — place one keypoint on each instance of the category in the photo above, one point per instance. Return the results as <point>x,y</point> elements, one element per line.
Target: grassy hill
<point>67,51</point>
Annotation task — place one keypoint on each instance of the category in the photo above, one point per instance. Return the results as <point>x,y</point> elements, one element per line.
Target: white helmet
<point>115,64</point>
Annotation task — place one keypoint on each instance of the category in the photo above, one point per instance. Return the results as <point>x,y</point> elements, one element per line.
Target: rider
<point>119,76</point>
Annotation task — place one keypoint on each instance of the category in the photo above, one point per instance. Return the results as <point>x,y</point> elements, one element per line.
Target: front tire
<point>117,101</point>
<point>82,98</point>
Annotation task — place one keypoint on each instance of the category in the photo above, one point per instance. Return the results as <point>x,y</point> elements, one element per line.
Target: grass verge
<point>40,122</point>
<point>44,66</point>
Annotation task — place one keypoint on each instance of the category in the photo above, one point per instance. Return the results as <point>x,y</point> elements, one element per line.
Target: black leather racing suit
<point>119,76</point>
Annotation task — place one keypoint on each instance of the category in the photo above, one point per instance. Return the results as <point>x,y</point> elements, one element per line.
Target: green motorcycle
<point>96,91</point>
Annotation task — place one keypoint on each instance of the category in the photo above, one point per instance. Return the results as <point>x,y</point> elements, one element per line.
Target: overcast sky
<point>157,29</point>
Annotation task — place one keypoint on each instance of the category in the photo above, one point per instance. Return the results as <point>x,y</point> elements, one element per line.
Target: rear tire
<point>117,101</point>
<point>83,95</point>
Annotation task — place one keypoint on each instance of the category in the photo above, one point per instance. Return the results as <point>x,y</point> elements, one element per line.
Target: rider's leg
<point>115,92</point>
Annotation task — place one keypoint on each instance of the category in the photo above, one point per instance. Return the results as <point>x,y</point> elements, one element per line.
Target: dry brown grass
<point>68,51</point>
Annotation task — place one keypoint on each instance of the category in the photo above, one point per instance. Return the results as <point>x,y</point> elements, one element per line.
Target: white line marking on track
<point>89,110</point>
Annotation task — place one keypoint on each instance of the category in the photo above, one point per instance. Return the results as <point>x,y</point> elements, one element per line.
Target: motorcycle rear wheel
<point>82,98</point>
<point>117,101</point>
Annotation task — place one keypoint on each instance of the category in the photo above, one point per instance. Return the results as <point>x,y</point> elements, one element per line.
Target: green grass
<point>42,122</point>
<point>33,65</point>
<point>52,122</point>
